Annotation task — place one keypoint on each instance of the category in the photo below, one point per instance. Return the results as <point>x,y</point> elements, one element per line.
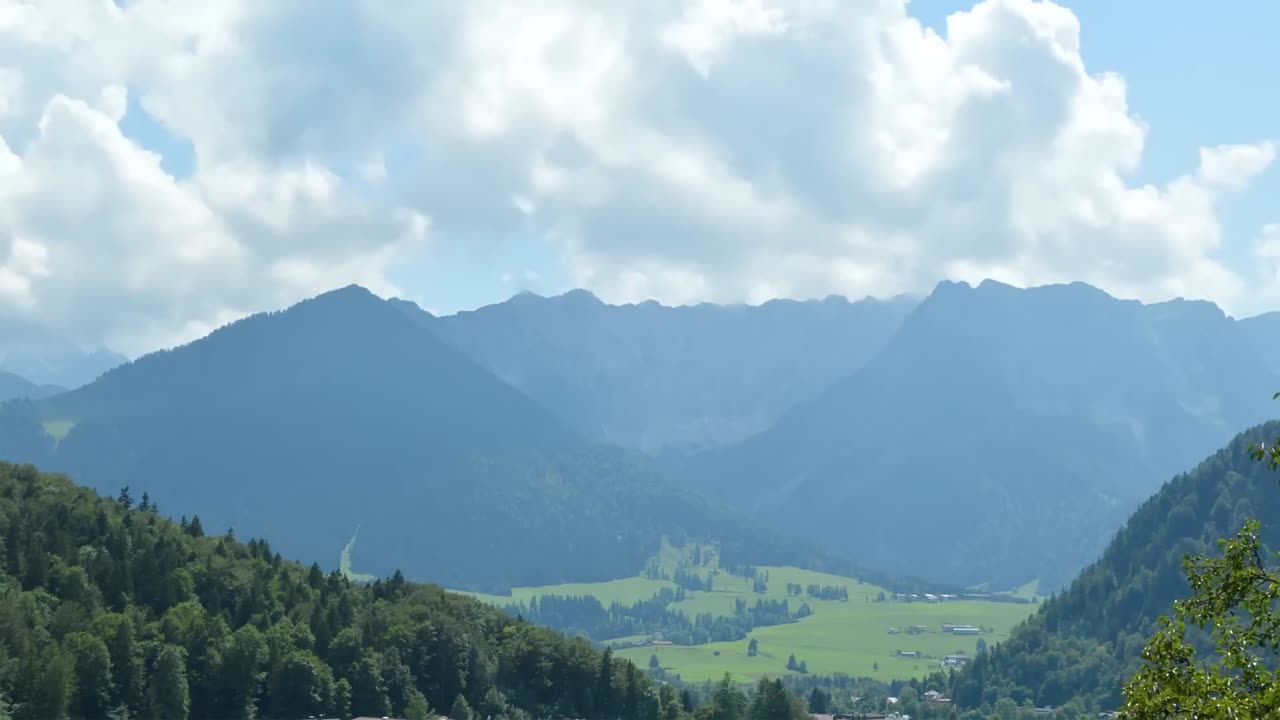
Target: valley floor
<point>851,637</point>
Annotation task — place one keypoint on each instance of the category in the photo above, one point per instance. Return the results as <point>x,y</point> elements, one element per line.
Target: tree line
<point>586,616</point>
<point>108,610</point>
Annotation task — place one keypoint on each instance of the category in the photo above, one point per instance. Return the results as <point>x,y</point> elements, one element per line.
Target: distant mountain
<point>1087,641</point>
<point>1003,434</point>
<point>13,386</point>
<point>56,363</point>
<point>657,378</point>
<point>342,413</point>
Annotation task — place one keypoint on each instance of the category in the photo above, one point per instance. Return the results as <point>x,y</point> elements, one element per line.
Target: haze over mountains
<point>983,435</point>
<point>344,414</point>
<point>44,358</point>
<point>660,378</point>
<point>13,386</point>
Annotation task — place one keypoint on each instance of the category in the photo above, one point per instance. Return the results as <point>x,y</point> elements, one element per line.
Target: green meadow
<point>626,591</point>
<point>839,637</point>
<point>58,429</point>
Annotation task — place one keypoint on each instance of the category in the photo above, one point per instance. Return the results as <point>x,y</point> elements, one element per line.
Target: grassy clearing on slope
<point>1030,590</point>
<point>344,562</point>
<point>58,429</point>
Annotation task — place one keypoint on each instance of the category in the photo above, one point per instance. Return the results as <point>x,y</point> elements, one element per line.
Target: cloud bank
<point>683,151</point>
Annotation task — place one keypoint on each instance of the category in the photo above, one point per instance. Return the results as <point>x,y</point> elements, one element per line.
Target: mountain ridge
<point>14,386</point>
<point>347,412</point>
<point>1027,374</point>
<point>668,379</point>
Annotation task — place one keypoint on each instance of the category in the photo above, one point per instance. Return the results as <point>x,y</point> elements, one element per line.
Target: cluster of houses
<point>944,597</point>
<point>946,627</point>
<point>950,661</point>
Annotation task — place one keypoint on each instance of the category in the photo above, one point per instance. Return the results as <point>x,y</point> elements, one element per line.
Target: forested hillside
<point>340,414</point>
<point>1087,641</point>
<point>657,378</point>
<point>106,609</point>
<point>1003,434</point>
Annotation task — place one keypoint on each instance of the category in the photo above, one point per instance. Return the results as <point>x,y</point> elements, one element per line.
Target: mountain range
<point>46,358</point>
<point>657,378</point>
<point>14,386</point>
<point>343,419</point>
<point>1002,434</point>
<point>984,435</point>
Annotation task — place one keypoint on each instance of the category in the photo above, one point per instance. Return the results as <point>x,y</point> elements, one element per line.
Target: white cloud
<point>1233,166</point>
<point>716,150</point>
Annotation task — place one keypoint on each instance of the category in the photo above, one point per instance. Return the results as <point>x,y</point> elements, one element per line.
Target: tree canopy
<point>108,611</point>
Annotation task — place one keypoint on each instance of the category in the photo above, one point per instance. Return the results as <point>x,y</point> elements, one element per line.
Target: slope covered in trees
<point>340,414</point>
<point>1003,434</point>
<point>656,378</point>
<point>109,610</point>
<point>1087,641</point>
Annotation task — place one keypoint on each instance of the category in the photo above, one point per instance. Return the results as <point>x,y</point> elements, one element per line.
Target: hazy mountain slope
<point>13,386</point>
<point>340,413</point>
<point>654,378</point>
<point>1087,640</point>
<point>1003,434</point>
<point>46,359</point>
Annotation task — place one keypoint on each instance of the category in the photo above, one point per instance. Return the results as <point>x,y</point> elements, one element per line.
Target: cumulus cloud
<point>719,150</point>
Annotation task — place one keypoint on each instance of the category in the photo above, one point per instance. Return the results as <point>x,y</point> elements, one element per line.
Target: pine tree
<point>416,708</point>
<point>168,697</point>
<point>461,710</point>
<point>605,703</point>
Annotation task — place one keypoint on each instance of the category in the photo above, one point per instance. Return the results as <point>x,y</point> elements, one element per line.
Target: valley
<point>869,632</point>
<point>822,550</point>
<point>696,360</point>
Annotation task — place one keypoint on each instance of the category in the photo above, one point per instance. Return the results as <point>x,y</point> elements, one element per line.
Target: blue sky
<point>714,150</point>
<point>1197,74</point>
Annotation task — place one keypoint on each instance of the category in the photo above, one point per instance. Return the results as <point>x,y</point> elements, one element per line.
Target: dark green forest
<point>1087,641</point>
<point>109,610</point>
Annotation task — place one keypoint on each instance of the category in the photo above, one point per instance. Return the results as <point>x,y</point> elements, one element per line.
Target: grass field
<point>58,429</point>
<point>626,591</point>
<point>850,638</point>
<point>840,637</point>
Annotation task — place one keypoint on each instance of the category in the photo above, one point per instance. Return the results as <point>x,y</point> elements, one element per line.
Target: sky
<point>167,166</point>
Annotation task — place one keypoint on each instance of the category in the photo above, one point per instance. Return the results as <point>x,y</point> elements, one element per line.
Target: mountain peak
<point>579,296</point>
<point>348,294</point>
